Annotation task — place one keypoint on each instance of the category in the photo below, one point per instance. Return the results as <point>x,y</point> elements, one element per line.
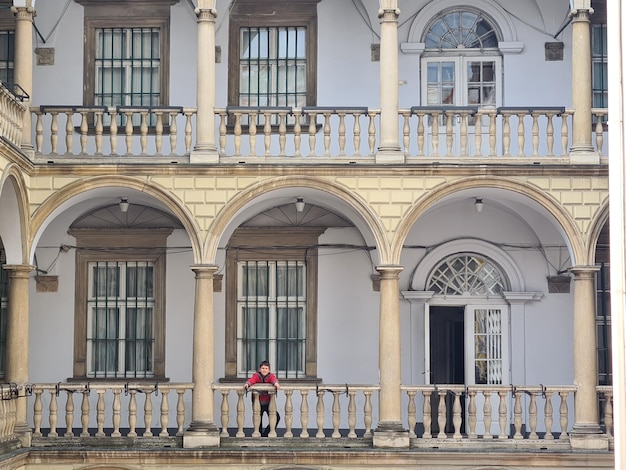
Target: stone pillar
<point>389,147</point>
<point>17,345</point>
<point>205,150</point>
<point>586,433</point>
<point>390,432</point>
<point>23,70</point>
<point>582,150</point>
<point>202,431</point>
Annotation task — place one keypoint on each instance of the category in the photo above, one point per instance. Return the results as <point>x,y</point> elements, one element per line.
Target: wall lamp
<point>300,204</point>
<point>478,204</point>
<point>124,204</point>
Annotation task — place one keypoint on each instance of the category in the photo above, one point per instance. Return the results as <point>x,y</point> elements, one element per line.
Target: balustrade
<point>12,111</point>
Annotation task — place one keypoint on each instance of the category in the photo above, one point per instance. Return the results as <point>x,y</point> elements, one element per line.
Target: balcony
<point>312,135</point>
<point>473,417</point>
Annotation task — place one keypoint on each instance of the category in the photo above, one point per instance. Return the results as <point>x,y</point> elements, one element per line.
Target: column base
<point>391,435</point>
<point>204,155</point>
<point>389,155</point>
<point>584,155</point>
<point>201,435</point>
<point>24,434</point>
<point>588,437</point>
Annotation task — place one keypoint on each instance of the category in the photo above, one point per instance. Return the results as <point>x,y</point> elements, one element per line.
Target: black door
<point>447,357</point>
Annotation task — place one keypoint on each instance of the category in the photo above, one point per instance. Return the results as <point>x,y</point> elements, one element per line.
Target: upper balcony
<point>310,135</point>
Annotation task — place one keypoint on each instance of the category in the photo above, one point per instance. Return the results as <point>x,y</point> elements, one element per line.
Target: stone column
<point>205,150</point>
<point>389,146</point>
<point>17,345</point>
<point>202,431</point>
<point>390,432</point>
<point>586,433</point>
<point>23,70</point>
<point>582,150</point>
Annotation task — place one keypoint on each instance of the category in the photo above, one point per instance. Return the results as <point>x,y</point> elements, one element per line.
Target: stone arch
<point>367,219</point>
<point>595,228</point>
<point>62,199</point>
<point>14,208</point>
<point>551,208</point>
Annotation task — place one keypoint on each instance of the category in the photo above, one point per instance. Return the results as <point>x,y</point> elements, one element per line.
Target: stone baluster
<point>304,413</point>
<point>492,133</point>
<point>267,133</point>
<point>188,130</point>
<point>464,150</point>
<point>502,411</point>
<point>173,131</point>
<point>256,414</point>
<point>435,134</point>
<point>371,132</point>
<point>521,134</point>
<point>54,133</point>
<point>237,134</point>
<point>252,132</point>
<point>158,133</point>
<point>441,414</point>
<point>272,415</point>
<point>223,130</point>
<point>550,133</point>
<point>420,133</point>
<point>297,133</point>
<point>449,133</point>
<point>117,407</point>
<point>37,413</point>
<point>165,413</point>
<point>406,131</point>
<point>608,413</point>
<point>143,132</point>
<point>84,414</point>
<point>39,131</point>
<point>320,414</point>
<point>352,414</point>
<point>147,414</point>
<point>342,133</point>
<point>506,134</point>
<point>412,412</point>
<point>69,414</point>
<point>241,413</point>
<point>548,415</point>
<point>327,133</point>
<point>426,411</point>
<point>100,407</point>
<point>563,411</point>
<point>367,413</point>
<point>225,411</point>
<point>356,130</point>
<point>113,130</point>
<point>288,414</point>
<point>84,131</point>
<point>282,132</point>
<point>132,414</point>
<point>599,131</point>
<point>471,415</point>
<point>532,416</point>
<point>487,413</point>
<point>312,132</point>
<point>53,411</point>
<point>478,134</point>
<point>517,416</point>
<point>99,131</point>
<point>535,133</point>
<point>336,413</point>
<point>564,133</point>
<point>456,415</point>
<point>69,133</point>
<point>180,411</point>
<point>129,132</point>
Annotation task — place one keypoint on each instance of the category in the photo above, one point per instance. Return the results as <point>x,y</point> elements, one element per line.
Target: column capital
<point>19,270</point>
<point>387,14</point>
<point>389,271</point>
<point>204,270</point>
<point>24,12</point>
<point>584,271</point>
<point>205,14</point>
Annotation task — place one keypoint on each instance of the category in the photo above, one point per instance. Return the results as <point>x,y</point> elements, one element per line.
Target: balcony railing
<point>12,112</point>
<point>436,415</point>
<point>310,134</point>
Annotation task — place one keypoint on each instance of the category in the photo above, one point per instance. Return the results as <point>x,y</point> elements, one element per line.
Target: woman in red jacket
<point>264,376</point>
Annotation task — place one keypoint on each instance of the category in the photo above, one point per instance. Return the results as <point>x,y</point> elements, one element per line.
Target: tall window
<point>7,56</point>
<point>599,59</point>
<point>120,307</point>
<point>271,316</point>
<point>603,325</point>
<point>271,301</point>
<point>4,311</point>
<point>273,53</point>
<point>462,65</point>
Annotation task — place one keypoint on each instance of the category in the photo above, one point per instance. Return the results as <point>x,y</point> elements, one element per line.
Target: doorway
<point>447,357</point>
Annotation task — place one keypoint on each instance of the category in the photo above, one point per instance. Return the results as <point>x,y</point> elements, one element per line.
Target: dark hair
<point>264,363</point>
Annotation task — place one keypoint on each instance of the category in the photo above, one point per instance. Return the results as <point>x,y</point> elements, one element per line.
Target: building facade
<point>402,205</point>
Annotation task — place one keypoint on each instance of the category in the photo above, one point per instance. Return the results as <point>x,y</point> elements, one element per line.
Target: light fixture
<point>124,204</point>
<point>300,204</point>
<point>478,204</point>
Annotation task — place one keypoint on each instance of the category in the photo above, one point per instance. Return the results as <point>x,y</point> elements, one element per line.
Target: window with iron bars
<point>128,69</point>
<point>271,316</point>
<point>7,56</point>
<point>121,333</point>
<point>603,324</point>
<point>4,311</point>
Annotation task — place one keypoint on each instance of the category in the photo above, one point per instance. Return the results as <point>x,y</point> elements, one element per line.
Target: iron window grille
<point>7,56</point>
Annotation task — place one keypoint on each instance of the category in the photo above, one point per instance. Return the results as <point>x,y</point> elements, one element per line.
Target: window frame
<point>150,245</point>
<point>252,13</point>
<point>4,310</point>
<point>259,244</point>
<point>7,24</point>
<point>122,14</point>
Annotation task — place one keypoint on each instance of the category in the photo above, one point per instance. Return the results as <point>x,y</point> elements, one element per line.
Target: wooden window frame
<point>259,244</point>
<point>119,244</point>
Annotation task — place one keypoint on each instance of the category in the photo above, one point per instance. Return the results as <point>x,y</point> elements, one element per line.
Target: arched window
<point>467,274</point>
<point>461,61</point>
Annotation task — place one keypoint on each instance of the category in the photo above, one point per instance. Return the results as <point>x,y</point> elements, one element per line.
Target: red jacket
<point>257,378</point>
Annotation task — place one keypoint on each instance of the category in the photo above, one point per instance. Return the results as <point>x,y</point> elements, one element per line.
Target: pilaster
<point>390,431</point>
<point>202,431</point>
<point>586,433</point>
<point>205,150</point>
